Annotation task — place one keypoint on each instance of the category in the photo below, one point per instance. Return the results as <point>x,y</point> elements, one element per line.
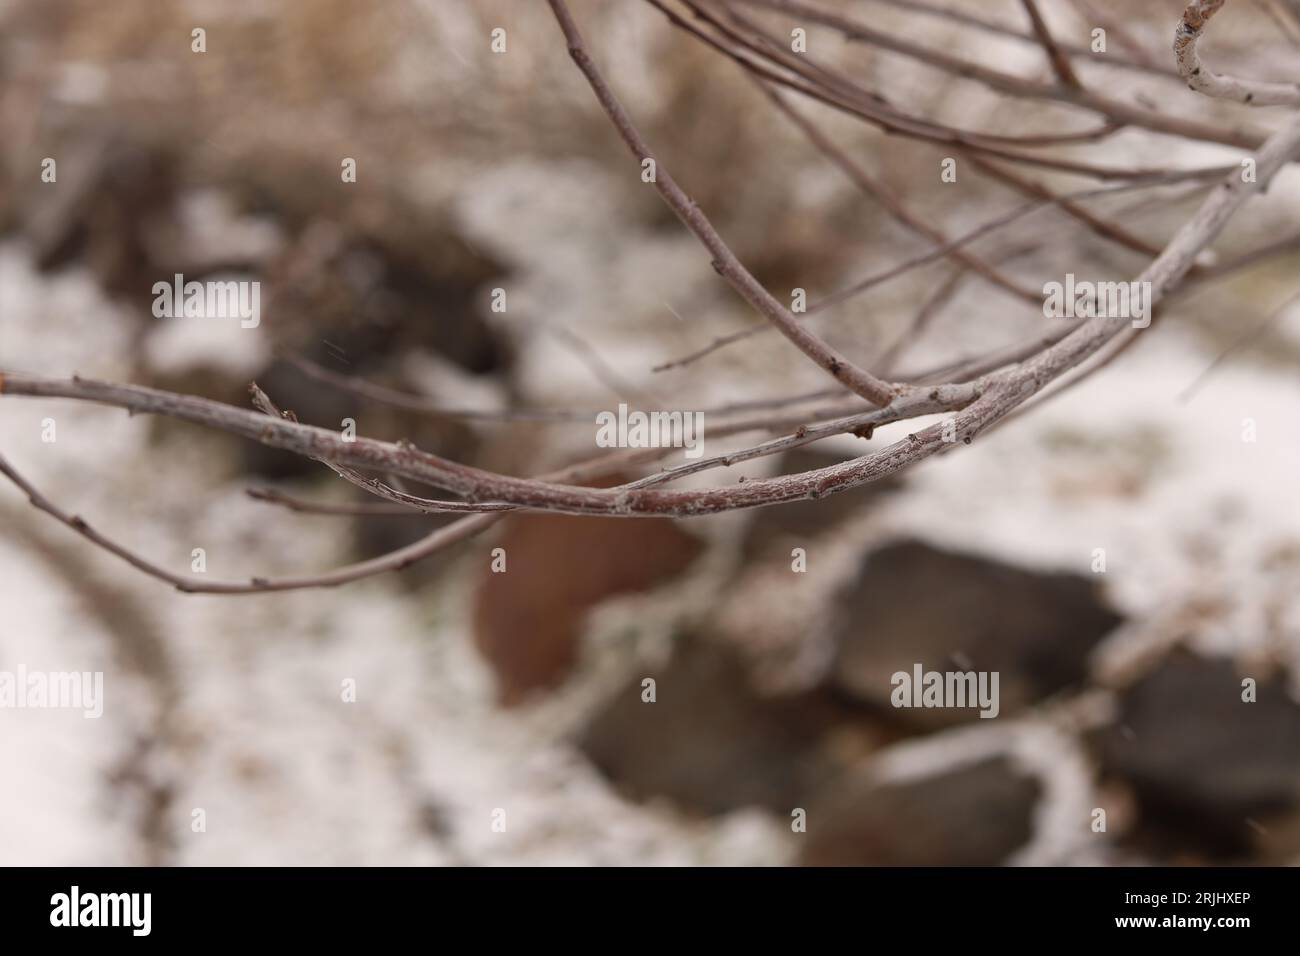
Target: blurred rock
<point>528,619</point>
<point>1213,774</point>
<point>376,294</point>
<point>912,603</point>
<point>710,743</point>
<point>775,613</point>
<point>974,815</point>
<point>354,267</point>
<point>111,196</point>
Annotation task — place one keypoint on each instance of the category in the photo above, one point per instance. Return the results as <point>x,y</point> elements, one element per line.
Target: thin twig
<point>1187,394</point>
<point>1142,61</point>
<point>892,204</point>
<point>1055,55</point>
<point>302,506</point>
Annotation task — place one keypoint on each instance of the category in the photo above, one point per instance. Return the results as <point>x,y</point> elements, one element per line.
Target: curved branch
<point>475,484</point>
<point>1204,80</point>
<point>978,406</point>
<point>435,541</point>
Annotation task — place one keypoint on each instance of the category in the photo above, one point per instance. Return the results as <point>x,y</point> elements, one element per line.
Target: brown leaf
<point>527,620</point>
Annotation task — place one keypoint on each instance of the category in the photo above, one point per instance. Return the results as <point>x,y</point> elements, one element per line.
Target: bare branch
<point>302,506</point>
<point>866,106</point>
<point>1013,85</point>
<point>473,484</point>
<point>1055,55</point>
<point>978,232</point>
<point>1240,343</point>
<point>725,262</point>
<point>361,388</point>
<point>892,204</point>
<point>982,393</point>
<point>1204,80</point>
<point>1142,61</point>
<point>720,342</point>
<point>435,541</point>
<point>418,403</point>
<point>1142,58</point>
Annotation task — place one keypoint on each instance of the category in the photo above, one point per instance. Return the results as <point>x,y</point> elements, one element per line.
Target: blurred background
<point>485,698</point>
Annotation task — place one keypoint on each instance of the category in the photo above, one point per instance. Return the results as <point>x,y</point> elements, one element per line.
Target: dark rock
<point>110,196</point>
<point>915,604</point>
<point>973,815</point>
<point>1212,773</point>
<point>374,301</point>
<point>710,743</point>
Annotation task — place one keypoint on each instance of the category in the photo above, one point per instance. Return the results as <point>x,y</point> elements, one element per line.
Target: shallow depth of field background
<point>522,692</point>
